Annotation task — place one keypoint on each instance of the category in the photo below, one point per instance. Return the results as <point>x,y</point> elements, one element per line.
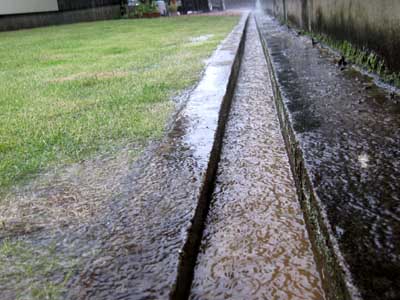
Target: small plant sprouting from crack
<point>367,59</point>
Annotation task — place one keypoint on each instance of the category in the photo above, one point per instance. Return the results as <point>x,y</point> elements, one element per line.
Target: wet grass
<point>70,92</point>
<point>20,263</point>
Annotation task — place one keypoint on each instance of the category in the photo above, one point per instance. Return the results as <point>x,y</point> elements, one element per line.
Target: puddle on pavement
<point>65,196</point>
<point>255,244</point>
<point>349,131</point>
<point>43,224</point>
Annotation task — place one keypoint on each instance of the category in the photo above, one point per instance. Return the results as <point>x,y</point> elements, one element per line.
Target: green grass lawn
<point>70,92</point>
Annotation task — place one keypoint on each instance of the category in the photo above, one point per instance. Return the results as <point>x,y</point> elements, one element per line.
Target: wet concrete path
<point>343,133</point>
<point>255,244</point>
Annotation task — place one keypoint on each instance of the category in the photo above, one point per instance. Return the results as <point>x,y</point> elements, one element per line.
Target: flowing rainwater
<point>255,244</point>
<point>348,129</point>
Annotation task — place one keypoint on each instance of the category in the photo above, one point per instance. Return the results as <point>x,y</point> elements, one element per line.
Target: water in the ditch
<point>348,128</point>
<point>255,244</point>
<point>138,213</point>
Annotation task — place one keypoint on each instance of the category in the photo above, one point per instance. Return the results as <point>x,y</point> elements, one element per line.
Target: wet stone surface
<point>349,131</point>
<point>255,244</point>
<point>142,233</point>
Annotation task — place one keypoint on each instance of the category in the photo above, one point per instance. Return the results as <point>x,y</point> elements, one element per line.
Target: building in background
<point>10,7</point>
<point>18,14</point>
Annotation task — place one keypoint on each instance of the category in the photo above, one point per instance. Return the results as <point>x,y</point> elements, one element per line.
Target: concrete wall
<point>238,4</point>
<point>297,12</point>
<point>369,24</point>
<point>22,21</point>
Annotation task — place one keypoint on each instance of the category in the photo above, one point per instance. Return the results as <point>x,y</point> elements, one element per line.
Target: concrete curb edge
<point>187,262</point>
<point>336,277</point>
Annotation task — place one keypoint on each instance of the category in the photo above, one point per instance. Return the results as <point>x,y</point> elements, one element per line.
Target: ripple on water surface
<point>348,129</point>
<point>255,244</point>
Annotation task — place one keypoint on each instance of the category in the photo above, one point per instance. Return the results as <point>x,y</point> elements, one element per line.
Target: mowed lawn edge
<point>70,92</point>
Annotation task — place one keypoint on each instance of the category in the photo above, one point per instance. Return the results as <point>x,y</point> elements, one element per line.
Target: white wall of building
<point>8,7</point>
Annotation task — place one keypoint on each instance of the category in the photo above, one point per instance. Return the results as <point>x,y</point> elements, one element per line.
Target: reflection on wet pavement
<point>255,244</point>
<point>348,129</point>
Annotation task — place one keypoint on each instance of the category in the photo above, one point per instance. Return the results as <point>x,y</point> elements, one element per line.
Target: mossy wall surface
<point>372,26</point>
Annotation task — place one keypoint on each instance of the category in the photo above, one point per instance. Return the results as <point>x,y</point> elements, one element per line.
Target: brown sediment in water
<point>342,133</point>
<point>255,244</point>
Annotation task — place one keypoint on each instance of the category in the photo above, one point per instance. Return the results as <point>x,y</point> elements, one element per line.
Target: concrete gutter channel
<point>234,44</point>
<point>152,232</point>
<point>152,249</point>
<point>255,244</point>
<point>338,278</point>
